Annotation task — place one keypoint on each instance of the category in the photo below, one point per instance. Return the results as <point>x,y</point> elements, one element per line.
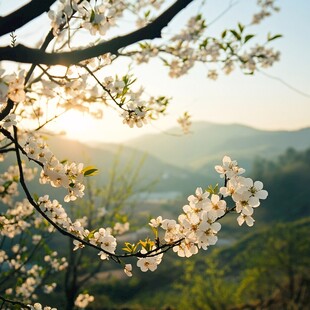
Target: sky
<point>279,101</point>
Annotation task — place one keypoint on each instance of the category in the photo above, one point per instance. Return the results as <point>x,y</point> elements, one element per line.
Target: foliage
<point>281,177</point>
<point>267,270</point>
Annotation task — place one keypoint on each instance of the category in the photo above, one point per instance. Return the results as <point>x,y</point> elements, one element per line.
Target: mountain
<point>208,143</point>
<point>183,162</point>
<point>127,161</point>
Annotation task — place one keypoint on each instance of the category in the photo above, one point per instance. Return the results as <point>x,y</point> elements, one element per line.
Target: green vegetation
<point>267,269</point>
<point>262,268</point>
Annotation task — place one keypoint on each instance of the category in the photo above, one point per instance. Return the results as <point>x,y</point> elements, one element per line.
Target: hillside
<point>163,176</point>
<point>208,142</point>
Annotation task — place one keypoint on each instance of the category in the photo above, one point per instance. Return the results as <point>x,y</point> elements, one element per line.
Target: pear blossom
<point>149,263</point>
<point>229,168</point>
<point>186,248</point>
<point>16,90</point>
<point>217,207</point>
<point>9,121</point>
<point>38,306</point>
<point>121,228</point>
<point>206,233</point>
<point>77,245</point>
<point>212,74</point>
<point>199,197</point>
<point>185,122</point>
<point>128,270</point>
<point>156,222</point>
<point>83,300</point>
<point>248,219</point>
<point>246,204</point>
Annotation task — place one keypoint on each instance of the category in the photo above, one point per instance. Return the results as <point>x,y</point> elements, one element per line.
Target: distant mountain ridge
<point>208,143</point>
<point>181,163</point>
<point>166,177</point>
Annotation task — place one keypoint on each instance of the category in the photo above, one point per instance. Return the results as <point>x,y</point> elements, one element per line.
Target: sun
<point>75,125</point>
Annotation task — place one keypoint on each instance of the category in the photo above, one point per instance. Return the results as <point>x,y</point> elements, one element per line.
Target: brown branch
<point>5,112</point>
<point>24,15</point>
<point>153,30</point>
<point>14,302</point>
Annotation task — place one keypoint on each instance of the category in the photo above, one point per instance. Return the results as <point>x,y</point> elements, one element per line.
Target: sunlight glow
<point>75,125</point>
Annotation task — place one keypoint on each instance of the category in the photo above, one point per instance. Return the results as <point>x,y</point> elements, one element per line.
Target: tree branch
<point>25,54</point>
<point>116,257</point>
<point>14,303</point>
<point>24,15</point>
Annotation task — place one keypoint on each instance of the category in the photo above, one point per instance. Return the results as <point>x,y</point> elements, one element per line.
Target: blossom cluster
<point>8,121</point>
<point>141,112</point>
<point>12,87</point>
<point>67,175</point>
<point>96,19</point>
<point>83,300</point>
<point>192,45</point>
<point>38,306</point>
<point>103,238</point>
<point>56,263</point>
<point>147,263</point>
<point>185,122</point>
<point>137,111</point>
<point>259,55</point>
<point>16,219</point>
<point>32,277</point>
<point>193,30</point>
<point>197,227</point>
<point>55,211</point>
<point>267,7</point>
<point>9,182</point>
<point>98,16</point>
<point>245,193</point>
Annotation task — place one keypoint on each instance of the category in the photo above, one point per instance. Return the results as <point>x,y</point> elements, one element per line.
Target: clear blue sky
<point>256,101</point>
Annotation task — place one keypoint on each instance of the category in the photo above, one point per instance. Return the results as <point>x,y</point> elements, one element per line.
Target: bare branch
<point>153,30</point>
<point>24,15</point>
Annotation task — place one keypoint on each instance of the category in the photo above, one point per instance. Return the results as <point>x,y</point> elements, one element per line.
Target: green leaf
<point>241,27</point>
<point>89,171</point>
<point>92,16</point>
<point>224,34</point>
<point>248,37</point>
<point>213,190</point>
<point>35,197</point>
<point>7,184</point>
<point>147,14</point>
<point>91,234</point>
<point>271,38</point>
<point>236,34</point>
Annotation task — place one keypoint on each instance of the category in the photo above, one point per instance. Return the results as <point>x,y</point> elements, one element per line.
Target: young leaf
<point>241,27</point>
<point>89,171</point>
<point>271,38</point>
<point>213,190</point>
<point>248,37</point>
<point>35,197</point>
<point>236,34</point>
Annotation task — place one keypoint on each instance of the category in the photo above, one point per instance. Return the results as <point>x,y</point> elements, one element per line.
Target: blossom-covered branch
<point>153,30</point>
